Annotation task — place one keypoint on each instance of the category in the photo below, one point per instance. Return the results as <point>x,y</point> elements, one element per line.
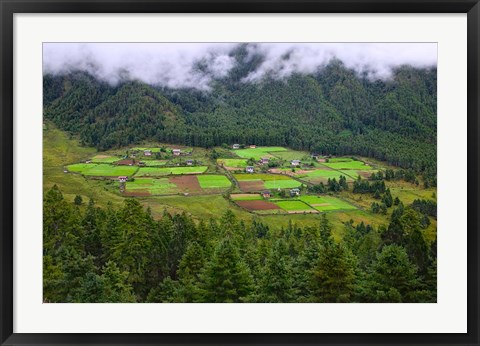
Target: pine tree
<point>226,277</point>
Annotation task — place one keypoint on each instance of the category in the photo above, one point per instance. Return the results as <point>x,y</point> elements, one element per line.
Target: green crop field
<point>106,170</point>
<point>213,181</point>
<point>246,197</point>
<point>340,159</point>
<point>101,170</point>
<point>160,186</point>
<point>355,165</point>
<point>260,176</point>
<point>155,172</point>
<point>105,159</point>
<point>153,163</point>
<point>257,153</point>
<point>293,205</point>
<point>153,150</point>
<point>326,203</point>
<point>325,174</point>
<point>282,184</point>
<point>240,163</point>
<point>291,155</point>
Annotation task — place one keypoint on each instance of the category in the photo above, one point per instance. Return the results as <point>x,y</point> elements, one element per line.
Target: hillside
<point>333,111</point>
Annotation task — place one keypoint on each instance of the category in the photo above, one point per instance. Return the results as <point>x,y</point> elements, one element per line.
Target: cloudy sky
<point>174,64</point>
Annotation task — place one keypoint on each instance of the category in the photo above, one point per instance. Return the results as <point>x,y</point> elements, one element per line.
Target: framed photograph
<point>239,172</point>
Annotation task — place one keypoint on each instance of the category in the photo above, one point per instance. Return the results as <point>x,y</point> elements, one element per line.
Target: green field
<point>339,159</point>
<point>289,155</point>
<point>153,150</point>
<point>282,184</point>
<point>326,203</point>
<point>293,205</point>
<point>101,170</point>
<point>152,186</point>
<point>355,165</point>
<point>246,197</point>
<point>325,174</point>
<point>213,181</point>
<point>237,163</point>
<point>153,163</point>
<point>257,153</point>
<point>105,159</point>
<point>156,172</point>
<point>261,176</point>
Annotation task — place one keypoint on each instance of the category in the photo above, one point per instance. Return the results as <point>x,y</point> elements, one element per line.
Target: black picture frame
<point>9,7</point>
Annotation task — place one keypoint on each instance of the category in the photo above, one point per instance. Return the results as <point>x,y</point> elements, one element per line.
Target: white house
<point>295,162</point>
<point>176,152</point>
<point>122,178</point>
<point>147,152</point>
<point>250,169</point>
<point>236,146</point>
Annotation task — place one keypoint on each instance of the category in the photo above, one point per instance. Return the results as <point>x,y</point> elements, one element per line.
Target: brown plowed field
<point>257,205</point>
<point>186,183</point>
<point>251,186</point>
<point>125,162</point>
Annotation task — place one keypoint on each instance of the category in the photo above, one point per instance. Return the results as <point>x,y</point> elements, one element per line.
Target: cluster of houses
<point>176,152</point>
<point>293,193</point>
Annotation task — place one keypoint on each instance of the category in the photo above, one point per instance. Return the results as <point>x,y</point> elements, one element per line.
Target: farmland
<point>178,188</point>
<point>256,182</point>
<point>258,152</point>
<point>155,172</point>
<point>102,170</point>
<point>213,181</point>
<point>234,163</point>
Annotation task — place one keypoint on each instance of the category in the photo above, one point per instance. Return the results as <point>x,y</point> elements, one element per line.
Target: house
<point>253,146</point>
<point>315,156</point>
<point>236,146</point>
<point>294,192</point>
<point>147,152</point>
<point>88,161</point>
<point>142,164</point>
<point>264,160</point>
<point>266,194</point>
<point>189,162</point>
<point>250,169</point>
<point>176,152</point>
<point>122,178</point>
<point>295,162</point>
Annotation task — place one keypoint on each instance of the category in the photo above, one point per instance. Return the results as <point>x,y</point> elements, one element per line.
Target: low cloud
<point>196,65</point>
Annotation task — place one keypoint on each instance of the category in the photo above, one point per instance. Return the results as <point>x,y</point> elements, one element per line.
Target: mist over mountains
<point>197,65</point>
<point>376,100</point>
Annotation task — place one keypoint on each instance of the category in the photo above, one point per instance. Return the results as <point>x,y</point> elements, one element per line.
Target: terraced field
<point>156,172</point>
<point>101,170</point>
<point>213,181</point>
<point>326,203</point>
<point>257,153</point>
<point>257,182</point>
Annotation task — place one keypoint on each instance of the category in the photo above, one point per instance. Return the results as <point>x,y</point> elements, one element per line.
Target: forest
<point>334,111</point>
<point>94,254</point>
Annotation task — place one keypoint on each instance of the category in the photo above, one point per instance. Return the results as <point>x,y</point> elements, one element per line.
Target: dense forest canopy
<point>124,255</point>
<point>334,110</point>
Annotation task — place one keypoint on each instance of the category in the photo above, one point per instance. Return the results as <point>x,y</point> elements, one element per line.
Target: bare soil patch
<point>125,162</point>
<point>186,183</point>
<point>257,205</point>
<point>320,204</point>
<point>240,195</point>
<point>251,186</point>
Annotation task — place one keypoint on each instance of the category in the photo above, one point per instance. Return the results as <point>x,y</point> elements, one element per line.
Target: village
<point>259,180</point>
